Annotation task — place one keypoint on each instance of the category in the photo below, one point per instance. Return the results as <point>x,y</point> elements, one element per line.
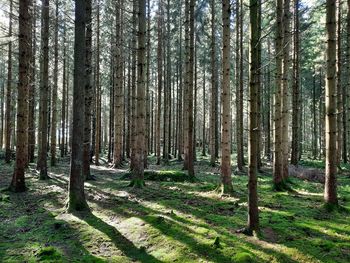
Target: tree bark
<point>76,198</point>
<point>8,104</point>
<point>44,91</point>
<point>254,61</point>
<point>54,94</point>
<point>226,181</point>
<point>330,190</point>
<point>18,181</point>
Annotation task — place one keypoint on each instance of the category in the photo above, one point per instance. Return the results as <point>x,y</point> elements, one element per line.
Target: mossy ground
<point>170,221</point>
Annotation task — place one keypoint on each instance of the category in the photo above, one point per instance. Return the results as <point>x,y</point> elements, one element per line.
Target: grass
<point>170,220</point>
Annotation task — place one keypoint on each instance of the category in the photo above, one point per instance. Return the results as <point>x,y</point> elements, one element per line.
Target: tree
<point>88,93</point>
<point>98,91</point>
<point>8,93</point>
<point>76,196</point>
<point>138,171</point>
<point>214,91</point>
<point>254,87</point>
<point>18,181</point>
<point>54,94</point>
<point>330,190</point>
<point>226,187</point>
<point>277,160</point>
<point>44,92</point>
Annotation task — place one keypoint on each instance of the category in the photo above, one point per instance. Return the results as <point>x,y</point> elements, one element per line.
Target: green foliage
<point>49,254</point>
<point>243,257</point>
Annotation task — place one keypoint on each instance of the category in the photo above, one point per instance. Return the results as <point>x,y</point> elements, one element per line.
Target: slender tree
<point>8,104</point>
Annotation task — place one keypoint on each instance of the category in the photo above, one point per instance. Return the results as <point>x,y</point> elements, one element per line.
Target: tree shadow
<point>120,241</point>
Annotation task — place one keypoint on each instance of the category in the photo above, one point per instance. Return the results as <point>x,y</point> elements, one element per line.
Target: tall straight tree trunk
<point>339,85</point>
<point>285,88</point>
<point>98,91</point>
<point>314,119</point>
<point>226,180</point>
<point>330,190</point>
<point>64,93</point>
<point>254,61</point>
<point>138,171</point>
<point>239,87</point>
<point>148,100</point>
<point>18,181</point>
<point>214,91</point>
<point>204,116</point>
<point>76,196</point>
<point>8,103</point>
<point>180,94</point>
<point>346,88</point>
<point>160,78</point>
<point>44,91</point>
<point>31,93</point>
<point>296,93</point>
<point>54,94</point>
<point>118,94</point>
<point>88,92</point>
<point>278,157</point>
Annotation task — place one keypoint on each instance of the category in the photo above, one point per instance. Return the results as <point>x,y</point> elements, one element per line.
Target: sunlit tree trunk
<point>98,91</point>
<point>330,191</point>
<point>24,48</point>
<point>138,171</point>
<point>226,180</point>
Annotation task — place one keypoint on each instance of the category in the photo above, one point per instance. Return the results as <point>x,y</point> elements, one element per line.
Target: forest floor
<point>170,221</point>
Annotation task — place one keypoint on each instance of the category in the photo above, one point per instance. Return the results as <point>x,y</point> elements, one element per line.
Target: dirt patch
<point>270,235</point>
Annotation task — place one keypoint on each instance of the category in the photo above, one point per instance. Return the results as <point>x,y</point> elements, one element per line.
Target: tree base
<point>225,190</point>
<point>73,206</point>
<point>137,183</point>
<point>16,189</point>
<point>281,186</point>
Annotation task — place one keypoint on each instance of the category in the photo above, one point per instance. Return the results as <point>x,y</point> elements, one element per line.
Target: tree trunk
<point>44,91</point>
<point>137,176</point>
<point>76,198</point>
<point>296,93</point>
<point>226,180</point>
<point>239,87</point>
<point>254,61</point>
<point>345,90</point>
<point>330,191</point>
<point>32,93</point>
<point>54,94</point>
<point>285,89</point>
<point>277,158</point>
<point>8,104</point>
<point>88,92</point>
<point>18,181</point>
<point>98,91</point>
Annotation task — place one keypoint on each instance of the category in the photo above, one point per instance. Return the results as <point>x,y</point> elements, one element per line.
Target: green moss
<point>49,254</point>
<point>243,257</point>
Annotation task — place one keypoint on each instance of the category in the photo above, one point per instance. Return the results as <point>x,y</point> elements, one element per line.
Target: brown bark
<point>76,198</point>
<point>18,181</point>
<point>54,94</point>
<point>8,104</point>
<point>226,180</point>
<point>44,91</point>
<point>330,191</point>
<point>254,61</point>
